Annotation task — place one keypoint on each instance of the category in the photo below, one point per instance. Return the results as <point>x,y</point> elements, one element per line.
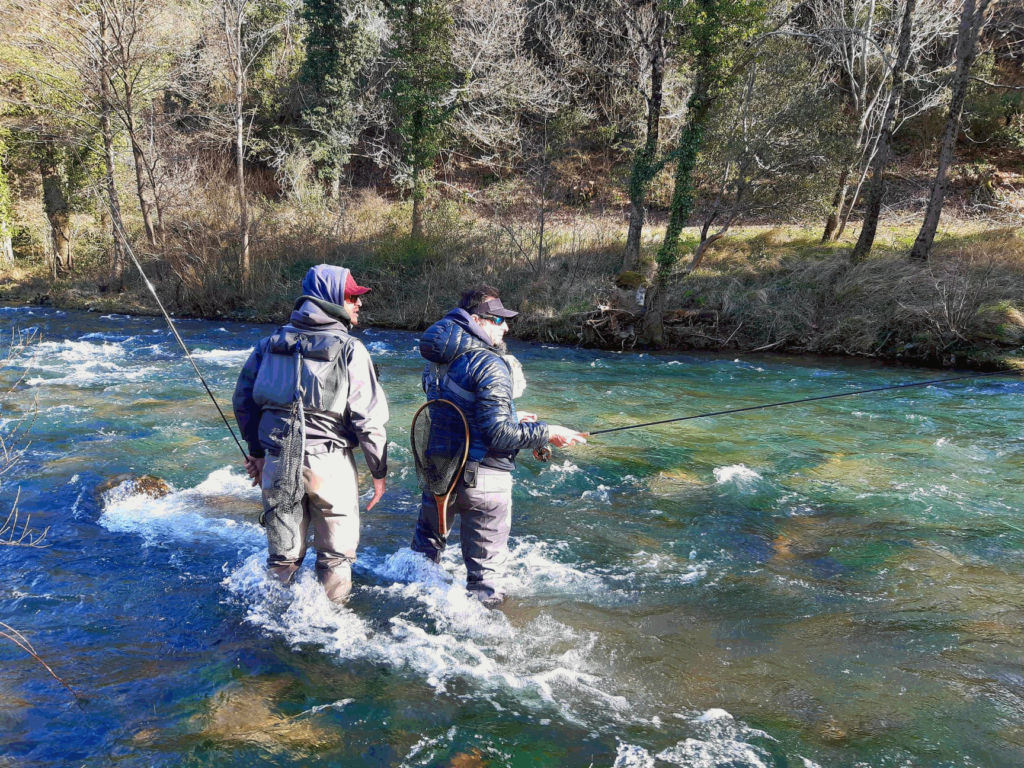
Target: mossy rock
<point>150,485</point>
<point>629,281</point>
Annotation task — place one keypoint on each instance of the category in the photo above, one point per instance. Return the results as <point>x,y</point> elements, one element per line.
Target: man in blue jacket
<point>465,365</point>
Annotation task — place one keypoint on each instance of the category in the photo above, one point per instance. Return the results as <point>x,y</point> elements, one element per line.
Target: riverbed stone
<point>244,711</point>
<point>150,485</point>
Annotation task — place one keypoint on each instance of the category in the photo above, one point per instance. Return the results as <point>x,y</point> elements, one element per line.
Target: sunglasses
<point>493,318</point>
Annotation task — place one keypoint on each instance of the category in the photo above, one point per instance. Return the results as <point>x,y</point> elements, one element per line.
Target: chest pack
<point>440,380</point>
<point>306,365</point>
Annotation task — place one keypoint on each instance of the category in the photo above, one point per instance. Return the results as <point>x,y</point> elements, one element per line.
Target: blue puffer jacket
<point>479,381</point>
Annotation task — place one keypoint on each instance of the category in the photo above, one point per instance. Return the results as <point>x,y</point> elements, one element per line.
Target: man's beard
<point>502,347</point>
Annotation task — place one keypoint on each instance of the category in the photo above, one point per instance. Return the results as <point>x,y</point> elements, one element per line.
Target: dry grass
<point>964,307</point>
<point>767,287</point>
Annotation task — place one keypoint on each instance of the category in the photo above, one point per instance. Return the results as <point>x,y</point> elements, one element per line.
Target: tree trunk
<point>419,192</point>
<point>838,202</point>
<point>151,175</point>
<point>243,203</point>
<point>57,212</point>
<point>6,229</point>
<point>971,22</point>
<point>140,165</point>
<point>683,195</point>
<point>6,244</point>
<point>848,210</point>
<point>417,203</point>
<point>643,165</point>
<point>115,265</point>
<point>702,248</point>
<point>874,206</point>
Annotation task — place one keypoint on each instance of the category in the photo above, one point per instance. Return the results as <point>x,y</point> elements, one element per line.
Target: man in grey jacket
<point>314,358</point>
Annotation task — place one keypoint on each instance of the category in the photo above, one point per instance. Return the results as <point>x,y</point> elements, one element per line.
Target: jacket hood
<point>327,282</point>
<point>324,286</point>
<point>452,335</point>
<point>311,315</point>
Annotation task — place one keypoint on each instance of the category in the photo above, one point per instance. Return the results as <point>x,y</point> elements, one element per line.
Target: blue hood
<point>327,282</point>
<point>452,335</point>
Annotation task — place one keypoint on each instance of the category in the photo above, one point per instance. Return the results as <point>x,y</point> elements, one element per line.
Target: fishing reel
<point>542,454</point>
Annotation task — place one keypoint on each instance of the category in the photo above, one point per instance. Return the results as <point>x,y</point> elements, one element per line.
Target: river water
<point>829,584</point>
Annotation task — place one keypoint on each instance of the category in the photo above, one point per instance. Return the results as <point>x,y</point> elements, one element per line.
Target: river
<point>834,584</point>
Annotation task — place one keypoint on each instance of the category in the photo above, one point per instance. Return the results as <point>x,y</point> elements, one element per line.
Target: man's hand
<point>254,468</point>
<point>563,437</point>
<point>379,486</point>
<point>525,416</point>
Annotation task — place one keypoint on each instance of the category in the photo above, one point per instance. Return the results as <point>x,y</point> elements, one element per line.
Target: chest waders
<point>301,372</point>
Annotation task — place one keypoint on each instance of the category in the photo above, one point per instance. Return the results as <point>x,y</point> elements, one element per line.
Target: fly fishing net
<point>440,440</point>
<point>283,507</point>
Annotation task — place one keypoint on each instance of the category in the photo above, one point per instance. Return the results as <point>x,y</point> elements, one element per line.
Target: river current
<point>823,585</point>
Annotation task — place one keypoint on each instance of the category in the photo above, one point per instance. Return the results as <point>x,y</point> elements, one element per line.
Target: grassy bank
<point>763,288</point>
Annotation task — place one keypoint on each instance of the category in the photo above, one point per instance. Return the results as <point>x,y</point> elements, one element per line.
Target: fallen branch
<point>769,346</point>
<point>731,336</point>
<point>22,642</point>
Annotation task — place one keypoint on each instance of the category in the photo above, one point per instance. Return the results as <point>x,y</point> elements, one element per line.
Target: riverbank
<point>760,289</point>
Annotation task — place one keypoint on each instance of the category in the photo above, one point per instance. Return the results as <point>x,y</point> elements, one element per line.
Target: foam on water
<point>719,742</point>
<point>668,568</point>
<point>183,515</point>
<point>739,474</point>
<point>380,348</point>
<point>436,630</point>
<point>567,468</point>
<point>601,494</point>
<point>84,363</point>
<point>439,632</point>
<point>232,358</point>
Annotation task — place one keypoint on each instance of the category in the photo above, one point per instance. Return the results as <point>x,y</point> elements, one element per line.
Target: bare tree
<point>650,24</point>
<point>244,29</point>
<point>874,207</point>
<point>769,151</point>
<point>857,41</point>
<point>972,22</point>
<point>102,52</point>
<point>129,50</point>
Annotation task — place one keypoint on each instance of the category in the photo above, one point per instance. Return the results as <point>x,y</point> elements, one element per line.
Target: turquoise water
<point>831,584</point>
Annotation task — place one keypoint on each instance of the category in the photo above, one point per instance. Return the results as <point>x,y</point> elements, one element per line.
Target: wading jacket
<point>463,367</point>
<point>344,404</point>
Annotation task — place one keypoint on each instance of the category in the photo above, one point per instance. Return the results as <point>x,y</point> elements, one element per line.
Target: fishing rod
<point>802,400</point>
<point>181,342</point>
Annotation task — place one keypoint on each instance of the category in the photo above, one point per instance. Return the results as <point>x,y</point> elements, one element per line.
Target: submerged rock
<point>673,481</point>
<point>150,485</point>
<point>245,712</point>
<point>857,472</point>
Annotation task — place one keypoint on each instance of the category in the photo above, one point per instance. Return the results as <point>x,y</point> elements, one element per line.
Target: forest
<point>825,176</point>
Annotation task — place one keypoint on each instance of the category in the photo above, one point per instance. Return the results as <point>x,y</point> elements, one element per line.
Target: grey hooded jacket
<point>351,410</point>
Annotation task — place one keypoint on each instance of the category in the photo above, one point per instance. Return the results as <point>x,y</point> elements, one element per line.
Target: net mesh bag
<point>284,497</point>
<point>439,442</point>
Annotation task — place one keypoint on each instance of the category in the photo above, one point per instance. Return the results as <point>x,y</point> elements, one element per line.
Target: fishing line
<point>167,317</point>
<point>803,400</point>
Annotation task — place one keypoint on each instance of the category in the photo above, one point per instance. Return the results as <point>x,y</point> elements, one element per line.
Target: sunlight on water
<point>830,584</point>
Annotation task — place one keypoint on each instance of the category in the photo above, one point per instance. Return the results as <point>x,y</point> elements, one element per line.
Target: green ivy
<point>421,87</point>
<point>713,41</point>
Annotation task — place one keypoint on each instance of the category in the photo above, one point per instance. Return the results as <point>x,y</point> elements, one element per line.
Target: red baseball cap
<point>351,289</point>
